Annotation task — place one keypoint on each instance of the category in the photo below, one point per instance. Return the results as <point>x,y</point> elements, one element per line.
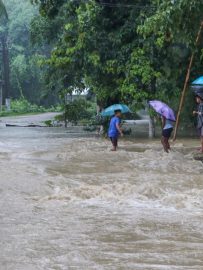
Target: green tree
<point>174,26</point>
<point>3,11</point>
<point>26,76</point>
<point>123,51</point>
<point>95,47</point>
<point>20,15</point>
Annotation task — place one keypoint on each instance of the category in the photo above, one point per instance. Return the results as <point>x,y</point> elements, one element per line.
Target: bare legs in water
<point>165,143</point>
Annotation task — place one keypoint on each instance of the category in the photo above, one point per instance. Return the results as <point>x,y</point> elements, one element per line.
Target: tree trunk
<point>6,72</point>
<point>1,95</point>
<point>151,118</point>
<point>151,127</point>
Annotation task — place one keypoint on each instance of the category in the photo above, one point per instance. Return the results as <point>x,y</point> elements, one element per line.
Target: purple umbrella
<point>163,109</point>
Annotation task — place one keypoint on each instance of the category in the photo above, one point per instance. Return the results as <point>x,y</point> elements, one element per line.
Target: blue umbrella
<point>198,81</point>
<point>197,86</point>
<point>111,110</point>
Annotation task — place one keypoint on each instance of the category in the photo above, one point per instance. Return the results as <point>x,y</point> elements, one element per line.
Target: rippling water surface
<point>70,203</point>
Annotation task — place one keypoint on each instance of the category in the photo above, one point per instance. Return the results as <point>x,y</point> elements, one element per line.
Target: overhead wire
<point>124,5</point>
<point>119,5</point>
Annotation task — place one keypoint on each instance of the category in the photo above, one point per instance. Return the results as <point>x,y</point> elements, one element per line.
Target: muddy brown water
<point>67,202</point>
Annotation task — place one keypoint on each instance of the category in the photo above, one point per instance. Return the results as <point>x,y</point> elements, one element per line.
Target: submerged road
<point>67,202</point>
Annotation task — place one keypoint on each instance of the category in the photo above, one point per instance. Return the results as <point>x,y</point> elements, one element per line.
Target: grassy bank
<point>24,107</point>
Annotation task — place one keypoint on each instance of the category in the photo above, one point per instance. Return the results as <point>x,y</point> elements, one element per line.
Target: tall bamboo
<point>182,99</point>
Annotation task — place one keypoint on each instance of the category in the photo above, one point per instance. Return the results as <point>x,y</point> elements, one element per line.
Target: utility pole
<point>5,72</point>
<point>5,57</point>
<point>1,95</point>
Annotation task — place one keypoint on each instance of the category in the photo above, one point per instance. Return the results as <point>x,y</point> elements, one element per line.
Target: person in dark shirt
<point>199,114</point>
<point>115,129</point>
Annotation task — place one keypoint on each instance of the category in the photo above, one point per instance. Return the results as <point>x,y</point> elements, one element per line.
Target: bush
<point>78,110</point>
<point>23,106</point>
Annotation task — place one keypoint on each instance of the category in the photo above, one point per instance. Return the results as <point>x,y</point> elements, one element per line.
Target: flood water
<point>70,203</point>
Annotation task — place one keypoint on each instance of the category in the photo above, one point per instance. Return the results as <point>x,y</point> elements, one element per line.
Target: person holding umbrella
<point>199,113</point>
<point>115,129</point>
<point>115,111</point>
<point>168,119</point>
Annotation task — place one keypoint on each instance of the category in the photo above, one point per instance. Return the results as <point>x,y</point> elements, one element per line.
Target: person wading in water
<point>199,114</point>
<point>167,129</point>
<point>115,129</point>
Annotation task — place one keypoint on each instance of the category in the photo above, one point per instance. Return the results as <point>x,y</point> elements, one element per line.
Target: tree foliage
<point>121,51</point>
<point>77,110</point>
<point>3,11</point>
<point>26,76</point>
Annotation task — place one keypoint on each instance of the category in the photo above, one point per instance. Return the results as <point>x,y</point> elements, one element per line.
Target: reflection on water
<point>70,203</point>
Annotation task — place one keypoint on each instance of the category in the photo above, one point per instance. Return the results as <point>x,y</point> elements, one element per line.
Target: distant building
<point>75,95</point>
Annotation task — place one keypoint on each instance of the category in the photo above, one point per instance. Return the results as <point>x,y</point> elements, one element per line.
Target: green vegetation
<point>120,51</point>
<point>23,106</point>
<point>26,77</point>
<point>129,51</point>
<point>79,110</point>
<point>3,11</point>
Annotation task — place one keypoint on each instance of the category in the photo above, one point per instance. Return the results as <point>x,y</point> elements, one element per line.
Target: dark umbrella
<point>199,94</point>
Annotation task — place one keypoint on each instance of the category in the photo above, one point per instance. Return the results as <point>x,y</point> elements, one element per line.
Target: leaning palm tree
<point>3,12</point>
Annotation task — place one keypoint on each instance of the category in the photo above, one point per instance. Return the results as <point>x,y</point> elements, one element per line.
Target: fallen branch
<point>31,125</point>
